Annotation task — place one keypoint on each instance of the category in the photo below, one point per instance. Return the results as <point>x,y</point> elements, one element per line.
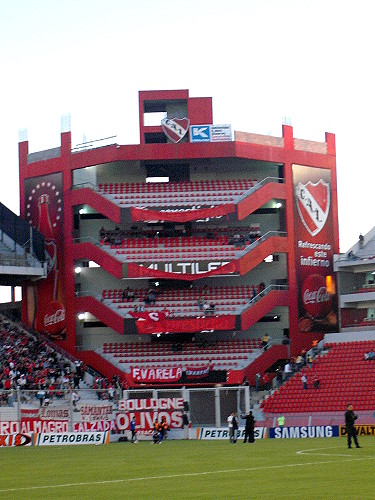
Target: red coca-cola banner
<point>180,215</point>
<point>188,271</point>
<point>181,325</point>
<point>44,211</point>
<point>143,375</point>
<point>314,245</point>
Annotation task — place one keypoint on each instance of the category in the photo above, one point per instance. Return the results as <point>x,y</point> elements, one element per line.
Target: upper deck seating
<point>344,377</point>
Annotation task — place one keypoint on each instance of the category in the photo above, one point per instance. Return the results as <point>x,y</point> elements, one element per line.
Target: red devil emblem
<point>313,202</point>
<point>176,128</point>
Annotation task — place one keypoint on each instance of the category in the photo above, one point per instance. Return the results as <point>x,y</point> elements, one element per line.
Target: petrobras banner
<point>316,431</point>
<point>210,133</point>
<point>314,249</point>
<point>7,440</point>
<point>223,433</point>
<point>70,438</point>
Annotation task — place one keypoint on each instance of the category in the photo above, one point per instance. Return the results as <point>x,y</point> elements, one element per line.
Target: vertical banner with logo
<point>44,211</point>
<point>317,305</point>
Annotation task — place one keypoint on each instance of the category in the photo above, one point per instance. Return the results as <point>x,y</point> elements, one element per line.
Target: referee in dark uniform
<point>350,418</point>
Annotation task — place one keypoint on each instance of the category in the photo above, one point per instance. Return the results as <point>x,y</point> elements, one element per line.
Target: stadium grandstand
<point>197,236</point>
<point>200,258</point>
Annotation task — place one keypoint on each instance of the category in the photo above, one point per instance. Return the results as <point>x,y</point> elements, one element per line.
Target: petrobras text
<point>69,438</point>
<point>223,433</point>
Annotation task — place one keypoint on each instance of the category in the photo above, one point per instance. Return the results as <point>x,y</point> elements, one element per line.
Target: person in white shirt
<point>230,427</point>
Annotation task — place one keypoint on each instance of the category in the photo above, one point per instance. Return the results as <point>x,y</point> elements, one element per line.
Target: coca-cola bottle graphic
<point>50,313</point>
<point>45,227</point>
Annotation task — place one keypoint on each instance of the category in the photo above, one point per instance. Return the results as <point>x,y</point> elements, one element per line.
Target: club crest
<point>313,203</point>
<point>175,128</point>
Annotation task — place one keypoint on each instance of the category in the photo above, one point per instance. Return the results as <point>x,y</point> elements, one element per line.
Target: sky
<point>263,62</point>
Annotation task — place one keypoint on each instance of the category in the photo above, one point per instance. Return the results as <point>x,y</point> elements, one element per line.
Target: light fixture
<point>78,270</point>
<point>278,205</point>
<point>81,316</point>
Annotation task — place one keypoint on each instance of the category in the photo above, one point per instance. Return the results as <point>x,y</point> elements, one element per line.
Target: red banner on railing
<point>150,322</point>
<point>180,215</point>
<point>217,268</point>
<point>180,325</point>
<point>151,375</point>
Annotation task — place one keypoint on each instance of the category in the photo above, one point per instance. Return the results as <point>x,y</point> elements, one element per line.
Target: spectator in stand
<point>315,346</point>
<point>102,233</point>
<point>76,380</point>
<point>111,393</point>
<point>265,342</point>
<point>309,360</point>
<point>258,380</point>
<point>369,355</point>
<point>304,381</point>
<point>200,303</point>
<point>151,297</point>
<point>266,382</point>
<point>316,382</point>
<point>212,307</point>
<point>287,371</point>
<point>75,399</point>
<point>279,376</point>
<point>299,362</point>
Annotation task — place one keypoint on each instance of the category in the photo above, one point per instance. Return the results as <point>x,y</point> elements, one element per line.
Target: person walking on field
<point>350,418</point>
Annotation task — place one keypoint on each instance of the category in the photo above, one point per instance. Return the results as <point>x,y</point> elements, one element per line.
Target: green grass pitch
<point>267,469</point>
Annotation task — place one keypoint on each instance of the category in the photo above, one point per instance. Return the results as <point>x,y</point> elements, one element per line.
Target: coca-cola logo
<point>54,318</point>
<point>315,297</point>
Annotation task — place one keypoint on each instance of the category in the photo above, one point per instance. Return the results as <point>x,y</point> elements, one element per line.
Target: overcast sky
<point>310,61</point>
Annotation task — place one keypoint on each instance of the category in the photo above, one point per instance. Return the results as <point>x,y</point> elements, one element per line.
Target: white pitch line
<point>314,450</point>
<point>174,476</point>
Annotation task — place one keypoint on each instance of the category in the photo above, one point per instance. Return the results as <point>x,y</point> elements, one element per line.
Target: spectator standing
<point>350,418</point>
<point>258,380</point>
<point>235,427</point>
<point>287,371</point>
<point>265,342</point>
<point>75,399</point>
<point>249,427</point>
<point>304,381</point>
<point>316,382</point>
<point>133,428</point>
<point>230,427</point>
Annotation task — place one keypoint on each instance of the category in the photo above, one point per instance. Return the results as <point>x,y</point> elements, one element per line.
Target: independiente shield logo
<point>175,128</point>
<point>313,203</point>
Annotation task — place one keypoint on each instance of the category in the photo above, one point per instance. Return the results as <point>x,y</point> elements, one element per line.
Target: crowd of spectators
<point>30,364</point>
<point>27,363</point>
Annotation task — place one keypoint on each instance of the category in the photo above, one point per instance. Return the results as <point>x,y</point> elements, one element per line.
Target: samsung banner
<point>315,431</point>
